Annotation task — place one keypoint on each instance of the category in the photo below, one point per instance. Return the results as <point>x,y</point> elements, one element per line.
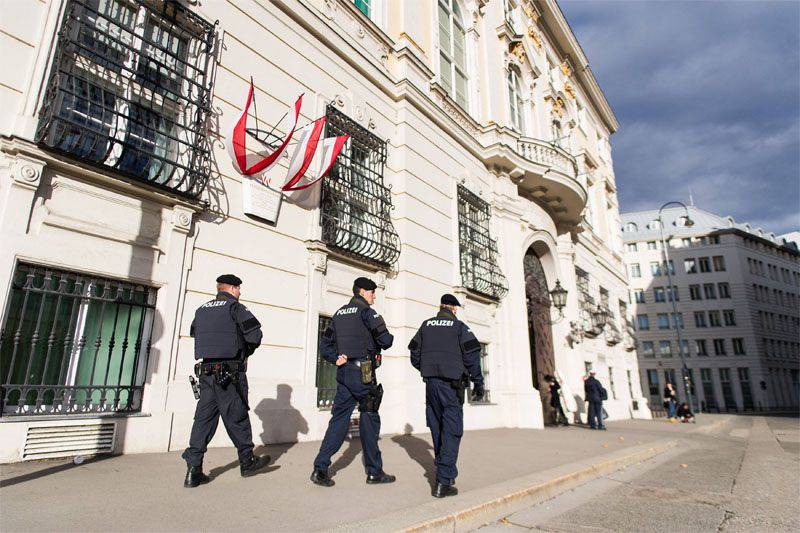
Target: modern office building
<point>478,163</point>
<point>736,289</point>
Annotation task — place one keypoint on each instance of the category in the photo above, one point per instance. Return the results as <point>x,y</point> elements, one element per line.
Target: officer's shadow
<point>280,422</point>
<point>420,451</point>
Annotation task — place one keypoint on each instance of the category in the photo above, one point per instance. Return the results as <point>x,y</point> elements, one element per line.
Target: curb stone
<point>475,508</point>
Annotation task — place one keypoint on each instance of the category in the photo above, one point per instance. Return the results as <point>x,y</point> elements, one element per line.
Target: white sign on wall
<point>260,201</point>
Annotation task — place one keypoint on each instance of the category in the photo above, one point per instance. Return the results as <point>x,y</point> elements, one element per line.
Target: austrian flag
<point>307,146</point>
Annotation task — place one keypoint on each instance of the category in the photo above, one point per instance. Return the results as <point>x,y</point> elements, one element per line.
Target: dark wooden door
<point>539,329</point>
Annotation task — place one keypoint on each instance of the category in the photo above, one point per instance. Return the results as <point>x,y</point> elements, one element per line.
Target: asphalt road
<point>742,479</point>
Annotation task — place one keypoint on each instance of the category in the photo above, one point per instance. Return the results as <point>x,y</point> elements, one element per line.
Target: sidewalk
<point>145,492</point>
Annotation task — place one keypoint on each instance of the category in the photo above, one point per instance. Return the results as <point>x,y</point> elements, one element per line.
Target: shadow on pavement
<point>52,470</point>
<point>420,451</point>
<point>280,423</point>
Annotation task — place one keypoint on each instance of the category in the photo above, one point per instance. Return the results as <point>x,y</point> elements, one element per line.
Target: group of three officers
<point>444,350</point>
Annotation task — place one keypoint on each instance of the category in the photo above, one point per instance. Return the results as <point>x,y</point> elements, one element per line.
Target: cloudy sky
<point>708,95</point>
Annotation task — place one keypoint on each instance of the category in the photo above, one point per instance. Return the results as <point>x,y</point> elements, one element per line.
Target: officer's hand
<point>477,393</point>
<point>342,359</point>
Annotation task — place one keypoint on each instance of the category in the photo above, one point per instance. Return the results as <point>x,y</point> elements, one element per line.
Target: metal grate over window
<point>356,206</point>
<point>326,372</point>
<point>72,343</point>
<point>130,90</point>
<point>479,269</point>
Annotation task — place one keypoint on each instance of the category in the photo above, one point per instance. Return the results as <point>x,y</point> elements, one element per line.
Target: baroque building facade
<point>478,163</point>
<point>736,291</point>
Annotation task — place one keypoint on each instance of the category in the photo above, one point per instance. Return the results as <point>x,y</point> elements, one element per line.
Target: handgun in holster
<point>460,385</point>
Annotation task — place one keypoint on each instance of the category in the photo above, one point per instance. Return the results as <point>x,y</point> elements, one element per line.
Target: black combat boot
<point>442,491</point>
<point>252,466</point>
<point>321,477</point>
<point>380,477</point>
<point>195,477</point>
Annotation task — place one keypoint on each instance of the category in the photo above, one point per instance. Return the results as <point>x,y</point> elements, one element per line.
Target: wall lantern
<point>599,317</point>
<point>558,296</point>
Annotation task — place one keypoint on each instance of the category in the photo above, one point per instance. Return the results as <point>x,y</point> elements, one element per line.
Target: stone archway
<point>540,331</point>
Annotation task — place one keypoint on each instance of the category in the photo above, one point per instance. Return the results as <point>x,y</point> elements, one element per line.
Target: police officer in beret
<point>447,354</point>
<point>353,343</point>
<point>225,334</point>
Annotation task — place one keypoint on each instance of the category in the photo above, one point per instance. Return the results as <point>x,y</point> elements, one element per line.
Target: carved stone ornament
<point>569,90</point>
<point>531,14</point>
<point>330,9</point>
<point>26,171</point>
<point>565,69</point>
<point>319,261</point>
<point>558,107</point>
<point>181,219</point>
<point>519,51</point>
<point>534,35</point>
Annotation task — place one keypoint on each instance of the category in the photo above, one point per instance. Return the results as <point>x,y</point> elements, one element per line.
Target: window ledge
<point>83,416</point>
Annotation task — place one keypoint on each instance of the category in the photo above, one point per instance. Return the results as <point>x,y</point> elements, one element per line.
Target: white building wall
<point>59,213</point>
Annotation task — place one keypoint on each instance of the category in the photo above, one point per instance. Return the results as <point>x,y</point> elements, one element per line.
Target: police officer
<point>353,343</point>
<point>225,333</point>
<point>446,352</point>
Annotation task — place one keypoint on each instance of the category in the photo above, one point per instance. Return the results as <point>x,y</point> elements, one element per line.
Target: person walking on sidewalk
<point>225,334</point>
<point>353,343</point>
<point>555,400</point>
<point>447,355</point>
<point>670,401</point>
<point>595,394</point>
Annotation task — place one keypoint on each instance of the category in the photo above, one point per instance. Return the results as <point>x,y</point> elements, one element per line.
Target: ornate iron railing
<point>326,372</point>
<point>546,154</point>
<point>72,343</point>
<point>478,250</point>
<point>130,90</point>
<point>356,205</point>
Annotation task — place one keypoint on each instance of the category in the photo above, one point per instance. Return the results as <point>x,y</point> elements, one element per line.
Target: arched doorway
<point>539,328</point>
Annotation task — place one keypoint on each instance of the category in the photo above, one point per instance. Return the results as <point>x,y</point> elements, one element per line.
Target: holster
<point>460,385</point>
<point>372,401</point>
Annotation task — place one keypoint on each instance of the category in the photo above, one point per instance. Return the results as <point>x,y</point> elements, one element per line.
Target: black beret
<point>365,283</point>
<point>449,299</point>
<point>229,279</point>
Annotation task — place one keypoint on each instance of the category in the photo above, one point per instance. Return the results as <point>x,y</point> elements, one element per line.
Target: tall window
<point>694,292</point>
<point>659,294</point>
<point>700,319</point>
<point>478,250</point>
<point>714,320</point>
<point>690,266</point>
<point>130,91</point>
<point>738,346</point>
<point>516,107</point>
<point>724,289</point>
<point>73,343</point>
<point>719,263</point>
<point>356,205</point>
<point>719,347</point>
<point>639,296</point>
<point>633,247</point>
<point>727,389</point>
<point>636,271</point>
<point>648,350</point>
<point>710,291</point>
<point>642,322</point>
<point>655,268</point>
<point>730,317</point>
<point>452,52</point>
<point>652,245</point>
<point>663,321</point>
<point>326,372</point>
<point>744,384</point>
<point>705,266</point>
<point>701,346</point>
<point>652,384</point>
<point>708,388</point>
<point>665,349</point>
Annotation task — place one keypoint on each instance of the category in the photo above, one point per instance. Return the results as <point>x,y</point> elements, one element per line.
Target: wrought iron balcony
<point>130,91</point>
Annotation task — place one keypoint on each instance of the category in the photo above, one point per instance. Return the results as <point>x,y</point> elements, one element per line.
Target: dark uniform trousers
<point>595,414</point>
<point>216,402</point>
<point>350,391</point>
<point>445,417</point>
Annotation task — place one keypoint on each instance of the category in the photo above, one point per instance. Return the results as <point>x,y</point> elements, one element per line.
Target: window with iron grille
<point>130,91</point>
<point>72,343</point>
<point>356,205</point>
<point>326,372</point>
<point>478,250</point>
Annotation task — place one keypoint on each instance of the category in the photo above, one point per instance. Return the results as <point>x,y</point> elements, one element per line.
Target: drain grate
<point>43,442</point>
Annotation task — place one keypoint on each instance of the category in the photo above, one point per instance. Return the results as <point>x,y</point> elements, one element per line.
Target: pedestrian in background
<point>555,400</point>
<point>670,401</point>
<point>595,394</point>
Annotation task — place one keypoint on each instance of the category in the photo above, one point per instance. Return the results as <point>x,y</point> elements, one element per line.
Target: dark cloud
<point>708,95</point>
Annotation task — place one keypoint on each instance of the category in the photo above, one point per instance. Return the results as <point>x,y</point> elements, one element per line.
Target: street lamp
<point>599,317</point>
<point>687,222</point>
<point>559,297</point>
